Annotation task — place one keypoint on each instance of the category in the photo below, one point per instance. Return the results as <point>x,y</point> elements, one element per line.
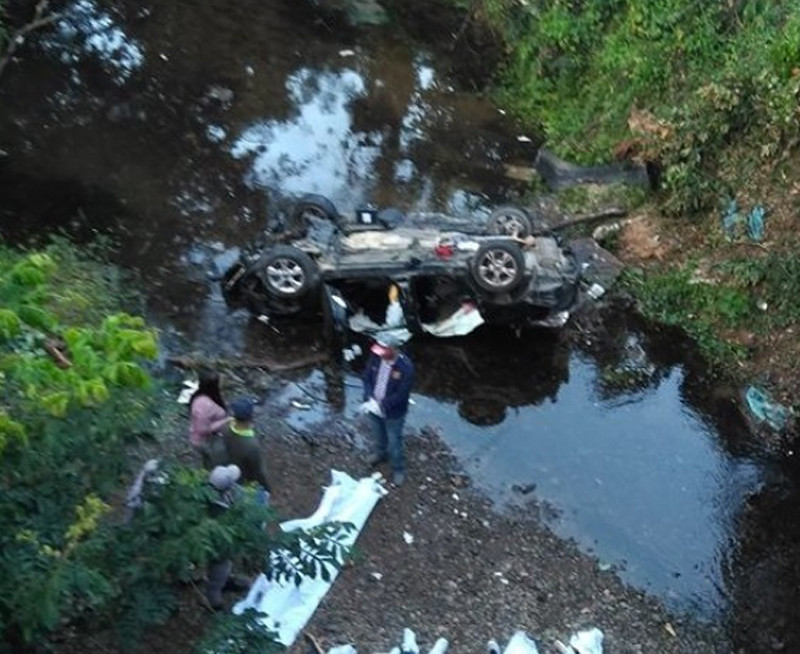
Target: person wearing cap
<point>243,446</point>
<point>222,479</point>
<point>388,377</point>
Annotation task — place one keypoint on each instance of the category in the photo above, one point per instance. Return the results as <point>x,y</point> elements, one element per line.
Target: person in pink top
<point>207,417</point>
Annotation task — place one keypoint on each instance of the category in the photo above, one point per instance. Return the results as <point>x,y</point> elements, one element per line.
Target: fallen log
<point>267,363</point>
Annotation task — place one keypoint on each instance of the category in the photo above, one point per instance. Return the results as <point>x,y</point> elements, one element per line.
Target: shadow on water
<point>182,128</point>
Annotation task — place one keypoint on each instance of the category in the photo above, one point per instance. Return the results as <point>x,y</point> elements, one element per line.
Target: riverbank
<point>472,572</point>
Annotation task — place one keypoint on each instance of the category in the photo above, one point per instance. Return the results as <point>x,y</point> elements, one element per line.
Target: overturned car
<point>424,272</point>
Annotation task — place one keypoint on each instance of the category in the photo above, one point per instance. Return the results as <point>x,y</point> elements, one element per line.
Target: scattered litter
<point>584,642</point>
<point>455,497</point>
<point>520,644</point>
<point>250,71</point>
<point>352,353</point>
<point>408,538</point>
<point>377,576</point>
<point>189,388</point>
<point>342,649</point>
<point>670,630</point>
<point>163,57</point>
<point>587,642</point>
<point>502,111</point>
<point>764,409</point>
<point>409,645</point>
<point>604,567</point>
<point>347,53</point>
<point>525,489</point>
<point>263,318</point>
<point>730,218</point>
<point>755,223</point>
<point>523,139</point>
<point>763,306</point>
<point>595,291</point>
<point>300,405</point>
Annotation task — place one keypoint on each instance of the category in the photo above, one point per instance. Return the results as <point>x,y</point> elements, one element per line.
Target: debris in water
<point>527,489</point>
<point>595,291</point>
<point>300,405</point>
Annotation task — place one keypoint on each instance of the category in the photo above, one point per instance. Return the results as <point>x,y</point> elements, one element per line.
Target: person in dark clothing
<point>388,378</point>
<point>223,479</point>
<point>243,446</point>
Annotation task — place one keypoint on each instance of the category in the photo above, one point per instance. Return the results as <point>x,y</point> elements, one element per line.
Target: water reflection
<point>633,468</point>
<point>86,30</point>
<point>315,150</point>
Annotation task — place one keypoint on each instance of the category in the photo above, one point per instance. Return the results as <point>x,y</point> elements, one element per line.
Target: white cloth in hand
<point>371,406</point>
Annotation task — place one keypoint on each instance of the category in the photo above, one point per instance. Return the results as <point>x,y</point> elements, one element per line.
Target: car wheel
<point>313,207</point>
<point>510,221</point>
<point>498,267</point>
<point>287,272</point>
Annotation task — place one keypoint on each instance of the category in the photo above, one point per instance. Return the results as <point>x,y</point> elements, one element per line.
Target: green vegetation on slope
<point>75,397</point>
<point>678,80</point>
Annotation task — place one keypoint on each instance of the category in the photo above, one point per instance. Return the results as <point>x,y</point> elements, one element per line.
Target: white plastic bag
<point>587,642</point>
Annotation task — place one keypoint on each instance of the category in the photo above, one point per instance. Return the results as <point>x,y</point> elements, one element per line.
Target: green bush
<point>67,425</point>
<point>703,310</point>
<point>700,73</point>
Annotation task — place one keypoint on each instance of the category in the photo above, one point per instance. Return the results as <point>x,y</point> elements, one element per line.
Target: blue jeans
<point>388,434</point>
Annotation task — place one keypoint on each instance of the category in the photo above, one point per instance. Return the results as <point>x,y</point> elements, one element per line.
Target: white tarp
<point>288,607</point>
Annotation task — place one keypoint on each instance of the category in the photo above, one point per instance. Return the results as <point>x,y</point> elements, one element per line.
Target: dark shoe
<point>399,478</point>
<point>375,459</point>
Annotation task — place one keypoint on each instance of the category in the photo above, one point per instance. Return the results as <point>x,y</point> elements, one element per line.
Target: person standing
<point>223,479</point>
<point>388,377</point>
<point>243,447</point>
<point>207,417</point>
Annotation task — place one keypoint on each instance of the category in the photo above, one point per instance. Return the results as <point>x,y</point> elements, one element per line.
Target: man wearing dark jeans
<point>388,377</point>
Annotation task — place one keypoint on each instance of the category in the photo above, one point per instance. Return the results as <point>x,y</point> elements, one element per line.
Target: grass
<point>737,297</point>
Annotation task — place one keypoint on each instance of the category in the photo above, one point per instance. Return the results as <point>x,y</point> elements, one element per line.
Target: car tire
<point>313,206</point>
<point>510,221</point>
<point>498,266</point>
<point>287,272</point>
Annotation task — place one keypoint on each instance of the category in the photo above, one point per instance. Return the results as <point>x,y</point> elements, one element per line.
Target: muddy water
<point>183,130</point>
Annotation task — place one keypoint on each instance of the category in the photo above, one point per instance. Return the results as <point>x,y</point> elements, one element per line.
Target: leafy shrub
<point>675,297</point>
<point>705,72</point>
<point>65,435</point>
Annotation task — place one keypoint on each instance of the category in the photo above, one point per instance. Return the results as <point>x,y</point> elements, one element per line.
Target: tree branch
<point>40,19</point>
